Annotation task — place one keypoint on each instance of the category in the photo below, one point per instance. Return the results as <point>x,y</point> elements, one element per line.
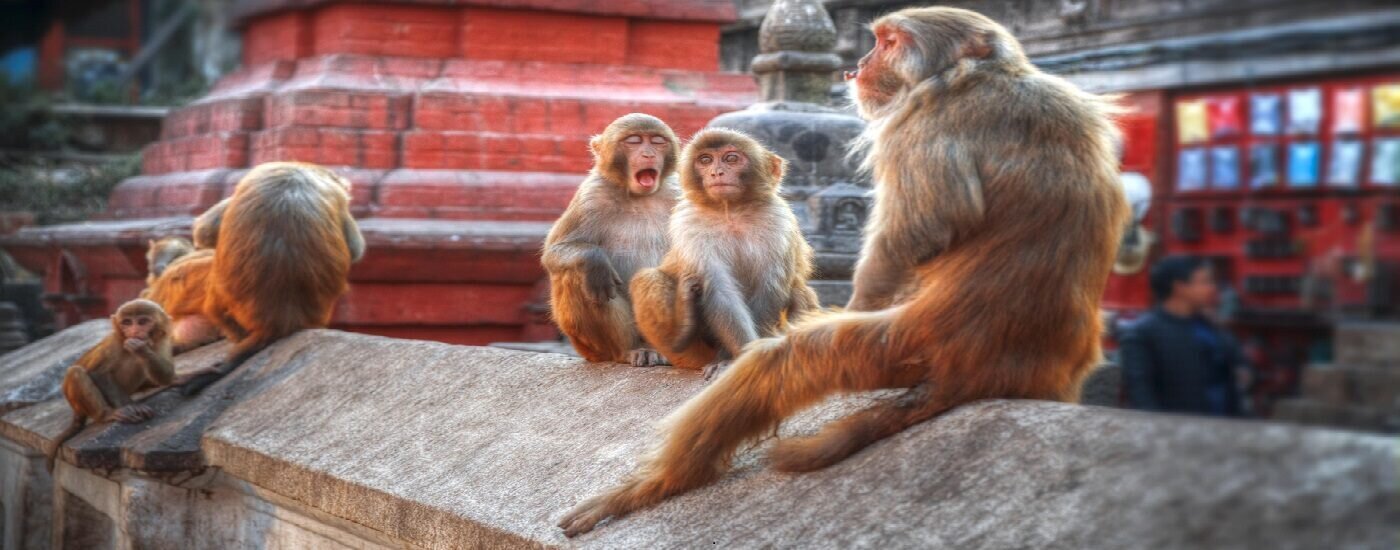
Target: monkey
<point>161,253</point>
<point>738,265</point>
<point>614,226</point>
<point>181,290</point>
<point>996,220</point>
<point>206,227</point>
<point>135,355</point>
<point>282,258</point>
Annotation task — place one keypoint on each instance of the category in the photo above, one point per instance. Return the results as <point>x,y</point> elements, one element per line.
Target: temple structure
<point>463,127</point>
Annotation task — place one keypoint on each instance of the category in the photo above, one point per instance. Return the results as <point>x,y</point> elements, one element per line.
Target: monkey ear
<point>978,46</point>
<point>776,166</point>
<point>595,144</point>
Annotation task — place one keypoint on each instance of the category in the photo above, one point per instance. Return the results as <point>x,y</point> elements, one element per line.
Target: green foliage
<point>57,195</point>
<point>26,120</point>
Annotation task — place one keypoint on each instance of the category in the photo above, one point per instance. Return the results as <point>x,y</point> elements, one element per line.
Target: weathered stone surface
<point>1368,344</point>
<point>1347,385</point>
<point>447,446</point>
<point>32,374</point>
<point>1304,410</point>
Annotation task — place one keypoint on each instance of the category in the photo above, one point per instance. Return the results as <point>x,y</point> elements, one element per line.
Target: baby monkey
<point>135,356</point>
<point>738,265</point>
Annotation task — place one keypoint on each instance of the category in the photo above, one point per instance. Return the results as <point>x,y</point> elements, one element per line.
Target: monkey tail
<point>847,436</point>
<point>241,353</point>
<point>73,428</point>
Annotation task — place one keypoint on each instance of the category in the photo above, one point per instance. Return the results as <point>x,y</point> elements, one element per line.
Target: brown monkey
<point>182,290</point>
<point>614,226</point>
<point>133,357</point>
<point>738,265</point>
<point>996,221</point>
<point>282,258</point>
<point>161,253</point>
<point>206,226</point>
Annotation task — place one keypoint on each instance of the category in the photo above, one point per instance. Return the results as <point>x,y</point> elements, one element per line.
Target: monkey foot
<point>715,369</point>
<point>642,357</point>
<point>132,414</point>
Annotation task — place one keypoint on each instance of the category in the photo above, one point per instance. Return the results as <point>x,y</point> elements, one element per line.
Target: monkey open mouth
<point>646,178</point>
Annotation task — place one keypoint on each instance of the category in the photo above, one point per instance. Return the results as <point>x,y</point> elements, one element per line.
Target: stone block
<point>338,108</point>
<point>230,115</point>
<point>476,195</point>
<point>1351,385</point>
<point>199,152</point>
<point>170,194</point>
<point>1363,343</point>
<point>374,149</point>
<point>673,44</point>
<point>1303,410</point>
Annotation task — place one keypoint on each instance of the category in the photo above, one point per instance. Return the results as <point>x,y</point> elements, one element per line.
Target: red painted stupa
<point>462,124</point>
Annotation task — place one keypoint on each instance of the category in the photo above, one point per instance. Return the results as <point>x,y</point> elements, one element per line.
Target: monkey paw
<point>642,357</point>
<point>584,517</point>
<point>715,369</point>
<point>132,414</point>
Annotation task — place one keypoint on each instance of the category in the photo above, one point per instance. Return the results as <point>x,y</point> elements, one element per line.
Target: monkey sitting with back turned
<point>738,265</point>
<point>135,356</point>
<point>614,226</point>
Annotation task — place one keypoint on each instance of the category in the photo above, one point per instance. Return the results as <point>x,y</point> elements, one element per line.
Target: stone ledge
<point>447,446</point>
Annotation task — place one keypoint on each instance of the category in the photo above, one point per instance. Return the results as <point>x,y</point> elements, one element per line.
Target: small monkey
<point>285,242</point>
<point>997,218</point>
<point>161,253</point>
<point>135,356</point>
<point>614,226</point>
<point>738,265</point>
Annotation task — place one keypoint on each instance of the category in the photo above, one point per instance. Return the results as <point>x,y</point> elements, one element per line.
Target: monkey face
<point>644,157</point>
<point>137,326</point>
<point>875,82</point>
<point>722,172</point>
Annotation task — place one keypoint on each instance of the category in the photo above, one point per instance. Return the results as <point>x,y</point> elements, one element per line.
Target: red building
<point>463,127</point>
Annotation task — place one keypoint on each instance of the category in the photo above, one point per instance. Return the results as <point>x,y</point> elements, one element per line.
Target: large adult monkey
<point>996,221</point>
<point>614,226</point>
<point>738,265</point>
<point>134,356</point>
<point>285,244</point>
<point>183,289</point>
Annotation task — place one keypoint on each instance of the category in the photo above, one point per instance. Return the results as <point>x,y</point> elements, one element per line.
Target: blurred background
<point>1262,143</point>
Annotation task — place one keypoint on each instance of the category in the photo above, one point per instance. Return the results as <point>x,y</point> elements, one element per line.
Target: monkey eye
<point>705,159</point>
<point>633,140</point>
<point>731,158</point>
<point>126,322</point>
<point>658,140</point>
<point>143,321</point>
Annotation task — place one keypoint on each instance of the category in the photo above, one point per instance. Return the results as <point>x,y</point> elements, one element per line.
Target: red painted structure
<point>1266,242</point>
<point>463,127</point>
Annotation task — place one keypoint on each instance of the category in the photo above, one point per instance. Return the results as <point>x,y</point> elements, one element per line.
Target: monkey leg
<point>847,436</point>
<point>668,319</point>
<point>84,395</point>
<point>192,331</point>
<point>600,333</point>
<point>773,379</point>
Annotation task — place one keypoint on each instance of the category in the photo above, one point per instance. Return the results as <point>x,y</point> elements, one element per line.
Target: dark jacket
<point>1166,367</point>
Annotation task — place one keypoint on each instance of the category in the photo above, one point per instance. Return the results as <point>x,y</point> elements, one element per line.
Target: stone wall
<point>331,439</point>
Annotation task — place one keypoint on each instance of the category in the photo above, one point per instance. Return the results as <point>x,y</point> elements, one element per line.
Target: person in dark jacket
<point>1174,358</point>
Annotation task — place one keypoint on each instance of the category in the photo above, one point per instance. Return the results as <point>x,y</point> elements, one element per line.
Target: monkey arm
<point>206,226</point>
<point>932,211</point>
<point>601,281</point>
<point>687,316</point>
<point>353,238</point>
<point>725,314</point>
<point>115,397</point>
<point>160,370</point>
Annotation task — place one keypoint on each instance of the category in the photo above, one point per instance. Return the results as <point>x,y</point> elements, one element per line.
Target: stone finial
<point>796,38</point>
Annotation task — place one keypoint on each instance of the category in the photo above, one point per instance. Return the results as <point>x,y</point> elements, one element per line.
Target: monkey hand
<point>133,413</point>
<point>715,369</point>
<point>602,283</point>
<point>136,345</point>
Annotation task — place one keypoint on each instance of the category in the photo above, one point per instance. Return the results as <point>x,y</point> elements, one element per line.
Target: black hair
<point>1170,270</point>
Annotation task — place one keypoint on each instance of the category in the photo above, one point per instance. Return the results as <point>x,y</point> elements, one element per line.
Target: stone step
<point>1360,343</point>
<point>1352,385</point>
<point>1318,413</point>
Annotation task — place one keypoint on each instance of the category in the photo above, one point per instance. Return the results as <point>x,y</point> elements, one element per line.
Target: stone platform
<point>331,439</point>
<point>1360,389</point>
